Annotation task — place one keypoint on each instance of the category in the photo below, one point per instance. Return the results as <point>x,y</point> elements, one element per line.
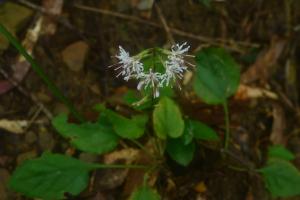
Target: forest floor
<point>76,44</point>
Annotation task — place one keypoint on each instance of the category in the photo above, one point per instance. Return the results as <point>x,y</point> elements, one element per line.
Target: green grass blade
<point>52,87</point>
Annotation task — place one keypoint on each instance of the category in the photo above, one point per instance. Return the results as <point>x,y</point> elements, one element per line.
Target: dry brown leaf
<point>264,65</point>
<point>136,176</point>
<point>279,125</point>
<point>55,8</point>
<point>200,187</point>
<point>112,178</point>
<point>245,92</point>
<point>127,156</point>
<point>74,55</point>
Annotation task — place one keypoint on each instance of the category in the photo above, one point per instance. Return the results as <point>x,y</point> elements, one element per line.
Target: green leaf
<point>134,100</point>
<point>167,119</point>
<point>50,176</point>
<point>200,131</point>
<point>217,75</point>
<point>145,193</point>
<point>127,128</point>
<point>89,137</point>
<point>282,179</point>
<point>180,152</point>
<point>207,3</point>
<point>279,151</point>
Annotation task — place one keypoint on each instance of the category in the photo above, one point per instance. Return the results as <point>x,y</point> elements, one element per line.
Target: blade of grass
<point>52,87</point>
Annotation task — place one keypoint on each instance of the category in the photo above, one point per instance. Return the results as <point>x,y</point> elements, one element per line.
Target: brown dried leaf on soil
<point>263,68</point>
<point>112,178</point>
<point>74,55</point>
<point>13,126</point>
<point>279,125</point>
<point>55,8</point>
<point>245,92</point>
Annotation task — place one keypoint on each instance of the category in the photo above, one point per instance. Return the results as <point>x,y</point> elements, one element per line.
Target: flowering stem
<point>227,133</point>
<point>116,166</point>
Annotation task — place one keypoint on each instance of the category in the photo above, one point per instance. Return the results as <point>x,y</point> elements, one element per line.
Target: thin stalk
<point>52,87</point>
<point>226,117</point>
<point>113,166</point>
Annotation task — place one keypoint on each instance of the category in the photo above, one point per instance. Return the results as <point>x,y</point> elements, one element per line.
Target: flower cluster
<point>131,67</point>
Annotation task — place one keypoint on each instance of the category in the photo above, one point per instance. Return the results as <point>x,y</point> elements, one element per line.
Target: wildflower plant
<point>216,78</point>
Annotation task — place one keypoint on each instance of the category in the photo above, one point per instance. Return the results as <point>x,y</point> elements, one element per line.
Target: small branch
<point>213,41</point>
<point>164,22</point>
<point>110,166</point>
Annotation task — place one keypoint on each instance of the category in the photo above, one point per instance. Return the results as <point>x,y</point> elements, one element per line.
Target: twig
<point>164,22</point>
<point>214,41</point>
<point>59,19</point>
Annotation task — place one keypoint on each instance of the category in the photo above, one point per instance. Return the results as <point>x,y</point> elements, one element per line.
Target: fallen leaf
<point>135,177</point>
<point>279,125</point>
<point>74,55</point>
<point>245,92</point>
<point>126,155</point>
<point>200,187</point>
<point>14,126</point>
<point>112,178</point>
<point>263,68</point>
<point>55,8</point>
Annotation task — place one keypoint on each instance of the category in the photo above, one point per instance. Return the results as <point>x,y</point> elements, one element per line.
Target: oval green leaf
<point>167,119</point>
<point>282,179</point>
<point>50,176</point>
<point>145,193</point>
<point>180,152</point>
<point>278,151</point>
<point>132,128</point>
<point>217,75</point>
<point>200,131</point>
<point>89,137</point>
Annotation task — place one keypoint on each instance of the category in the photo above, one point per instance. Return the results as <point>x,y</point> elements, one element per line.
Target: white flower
<point>179,50</point>
<point>130,66</point>
<point>150,79</point>
<point>175,64</point>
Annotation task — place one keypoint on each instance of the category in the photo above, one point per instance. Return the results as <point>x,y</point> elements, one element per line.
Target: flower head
<point>131,67</point>
<point>150,79</point>
<point>175,64</point>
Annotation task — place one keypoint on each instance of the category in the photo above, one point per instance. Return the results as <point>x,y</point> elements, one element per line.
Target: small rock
<point>25,156</point>
<point>74,55</point>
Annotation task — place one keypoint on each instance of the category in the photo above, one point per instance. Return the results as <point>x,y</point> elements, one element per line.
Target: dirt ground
<point>263,36</point>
